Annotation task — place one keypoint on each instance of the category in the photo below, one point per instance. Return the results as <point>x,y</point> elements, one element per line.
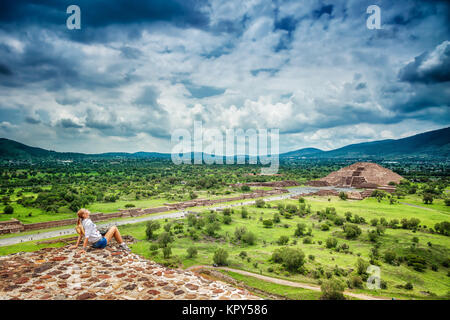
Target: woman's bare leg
<point>113,232</point>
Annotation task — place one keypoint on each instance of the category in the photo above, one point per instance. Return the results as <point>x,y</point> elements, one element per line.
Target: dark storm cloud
<point>429,67</point>
<point>101,13</point>
<point>4,70</point>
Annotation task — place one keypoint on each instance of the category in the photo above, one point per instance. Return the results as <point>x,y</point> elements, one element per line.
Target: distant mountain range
<point>432,145</point>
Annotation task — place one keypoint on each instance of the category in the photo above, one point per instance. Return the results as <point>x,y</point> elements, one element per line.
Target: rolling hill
<point>432,145</point>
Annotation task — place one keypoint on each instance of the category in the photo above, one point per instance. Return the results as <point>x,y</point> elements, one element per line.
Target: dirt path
<point>286,282</point>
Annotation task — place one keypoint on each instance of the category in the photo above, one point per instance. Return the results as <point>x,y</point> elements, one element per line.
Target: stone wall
<point>15,225</point>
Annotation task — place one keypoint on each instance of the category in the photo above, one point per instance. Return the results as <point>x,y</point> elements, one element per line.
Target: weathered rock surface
<point>102,274</point>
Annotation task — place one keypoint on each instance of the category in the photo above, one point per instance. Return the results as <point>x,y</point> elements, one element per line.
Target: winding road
<point>71,230</point>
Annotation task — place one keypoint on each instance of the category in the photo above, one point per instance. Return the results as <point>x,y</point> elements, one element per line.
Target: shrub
<point>324,227</point>
<point>249,238</point>
<point>291,259</point>
<point>418,263</point>
<point>408,286</point>
<point>260,203</point>
<point>244,213</point>
<point>239,232</point>
<point>307,240</point>
<point>343,195</point>
<point>332,290</point>
<point>191,252</point>
<point>167,252</point>
<point>154,247</point>
<point>331,243</point>
<point>276,218</point>
<point>220,257</point>
<point>374,222</point>
<point>351,231</point>
<point>443,228</point>
<point>390,256</point>
<point>355,282</point>
<point>300,231</point>
<point>226,219</point>
<point>361,266</point>
<point>243,254</point>
<point>373,235</point>
<point>283,240</point>
<point>152,226</point>
<point>339,221</point>
<point>447,201</point>
<point>268,223</point>
<point>212,228</point>
<point>8,210</point>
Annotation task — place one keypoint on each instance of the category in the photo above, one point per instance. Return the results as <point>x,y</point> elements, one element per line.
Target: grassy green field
<point>426,284</point>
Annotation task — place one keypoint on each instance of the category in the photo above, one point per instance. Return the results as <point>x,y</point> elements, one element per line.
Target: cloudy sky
<point>138,70</point>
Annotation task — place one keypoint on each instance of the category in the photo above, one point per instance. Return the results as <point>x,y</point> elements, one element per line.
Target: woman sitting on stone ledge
<point>88,229</point>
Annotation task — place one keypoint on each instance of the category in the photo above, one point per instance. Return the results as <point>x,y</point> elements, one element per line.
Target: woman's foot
<point>124,246</point>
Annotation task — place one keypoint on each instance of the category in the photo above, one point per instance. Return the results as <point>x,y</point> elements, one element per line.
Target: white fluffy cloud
<point>311,69</point>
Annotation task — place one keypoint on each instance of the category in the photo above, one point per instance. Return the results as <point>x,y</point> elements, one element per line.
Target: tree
<point>164,239</point>
<point>152,226</point>
<point>220,257</point>
<point>332,289</point>
<point>427,198</point>
<point>442,228</point>
<point>8,210</point>
<point>293,259</point>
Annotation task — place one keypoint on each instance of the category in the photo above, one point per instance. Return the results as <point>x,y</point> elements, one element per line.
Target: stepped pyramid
<point>362,175</point>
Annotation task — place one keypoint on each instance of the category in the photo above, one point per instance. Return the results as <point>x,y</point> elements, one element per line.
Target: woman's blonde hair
<point>79,227</point>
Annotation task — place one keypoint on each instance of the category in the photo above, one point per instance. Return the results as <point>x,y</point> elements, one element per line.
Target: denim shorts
<point>100,244</point>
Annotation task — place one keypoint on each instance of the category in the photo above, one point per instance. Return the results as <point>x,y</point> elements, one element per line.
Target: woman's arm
<point>85,243</point>
<point>78,242</point>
